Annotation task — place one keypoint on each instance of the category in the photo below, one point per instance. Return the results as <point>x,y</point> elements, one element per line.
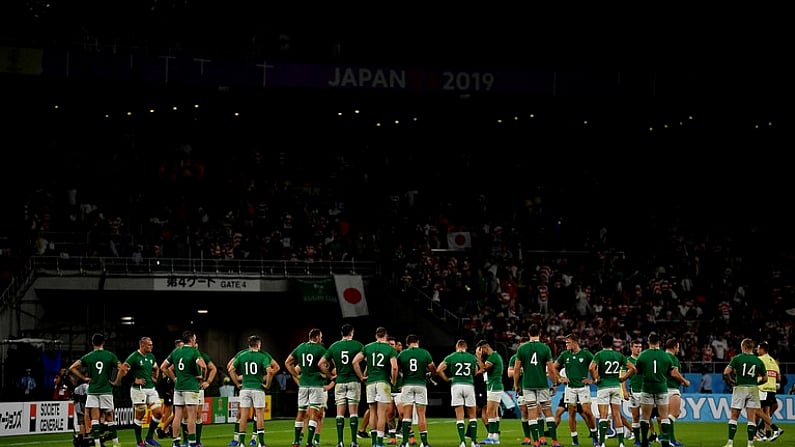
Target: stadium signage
<point>11,418</point>
<point>166,69</point>
<point>205,283</point>
<point>21,418</point>
<point>49,417</point>
<point>388,78</point>
<point>708,408</point>
<point>365,77</point>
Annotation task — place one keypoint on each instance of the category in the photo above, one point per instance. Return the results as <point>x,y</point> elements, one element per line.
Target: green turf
<point>441,433</point>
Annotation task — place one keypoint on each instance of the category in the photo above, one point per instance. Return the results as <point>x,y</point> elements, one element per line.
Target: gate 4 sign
<point>205,284</point>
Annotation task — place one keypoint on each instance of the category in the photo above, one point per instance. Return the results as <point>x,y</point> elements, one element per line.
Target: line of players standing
<point>397,381</point>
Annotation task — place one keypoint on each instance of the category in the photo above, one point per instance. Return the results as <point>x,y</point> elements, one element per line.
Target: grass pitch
<point>441,433</point>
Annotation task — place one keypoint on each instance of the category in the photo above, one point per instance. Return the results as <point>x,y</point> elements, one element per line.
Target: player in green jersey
<point>414,364</point>
<point>236,427</point>
<point>655,366</point>
<point>144,369</point>
<point>186,367</point>
<point>674,393</point>
<point>347,388</point>
<point>534,360</point>
<point>519,396</point>
<point>576,360</point>
<point>382,369</point>
<point>252,371</point>
<point>633,388</point>
<point>463,367</point>
<point>99,363</point>
<point>749,373</point>
<point>605,368</point>
<point>307,362</point>
<point>492,365</point>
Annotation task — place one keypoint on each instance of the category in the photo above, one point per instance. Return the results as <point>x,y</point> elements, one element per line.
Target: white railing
<point>90,266</point>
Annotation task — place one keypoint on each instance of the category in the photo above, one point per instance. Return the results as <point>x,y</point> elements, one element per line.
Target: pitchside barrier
<point>18,418</point>
<point>695,407</point>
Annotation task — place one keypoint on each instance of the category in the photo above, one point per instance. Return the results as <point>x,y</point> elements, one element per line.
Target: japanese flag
<point>350,293</point>
<point>459,240</point>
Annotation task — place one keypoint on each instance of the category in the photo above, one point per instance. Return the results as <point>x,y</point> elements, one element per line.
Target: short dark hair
<point>534,330</point>
<point>654,338</point>
<point>573,337</point>
<point>97,339</point>
<point>482,343</point>
<point>764,346</point>
<point>187,336</point>
<point>346,329</point>
<point>314,333</point>
<point>607,341</point>
<point>253,340</point>
<point>412,338</point>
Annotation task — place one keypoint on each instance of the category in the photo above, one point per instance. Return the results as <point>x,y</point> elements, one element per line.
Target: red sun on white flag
<point>459,240</point>
<point>350,294</point>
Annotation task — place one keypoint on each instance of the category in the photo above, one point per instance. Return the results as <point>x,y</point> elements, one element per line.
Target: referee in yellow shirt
<point>767,393</point>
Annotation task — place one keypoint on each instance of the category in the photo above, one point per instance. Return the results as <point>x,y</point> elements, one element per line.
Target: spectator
<point>705,385</point>
<point>227,389</point>
<point>721,346</point>
<point>62,386</point>
<point>27,385</point>
<point>282,379</point>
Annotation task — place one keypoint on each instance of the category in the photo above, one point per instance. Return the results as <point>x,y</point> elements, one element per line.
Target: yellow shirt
<point>772,373</point>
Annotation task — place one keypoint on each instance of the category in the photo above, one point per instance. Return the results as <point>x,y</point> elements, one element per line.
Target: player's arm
<point>75,369</point>
<point>290,365</point>
<point>440,371</point>
<point>554,374</point>
<point>234,376</point>
<point>678,376</point>
<point>324,366</point>
<point>212,370</point>
<point>512,372</point>
<point>155,373</point>
<point>624,389</point>
<point>271,371</point>
<point>202,367</point>
<point>357,366</point>
<point>119,376</point>
<point>479,357</point>
<point>727,374</point>
<point>555,366</point>
<point>629,371</point>
<point>394,373</point>
<point>229,364</point>
<point>124,368</point>
<point>332,365</point>
<point>432,368</point>
<point>593,369</point>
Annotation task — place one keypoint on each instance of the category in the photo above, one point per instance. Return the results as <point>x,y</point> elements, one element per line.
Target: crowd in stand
<point>540,252</point>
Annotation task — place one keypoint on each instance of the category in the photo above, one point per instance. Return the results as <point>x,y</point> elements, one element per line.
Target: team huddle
<point>395,385</point>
